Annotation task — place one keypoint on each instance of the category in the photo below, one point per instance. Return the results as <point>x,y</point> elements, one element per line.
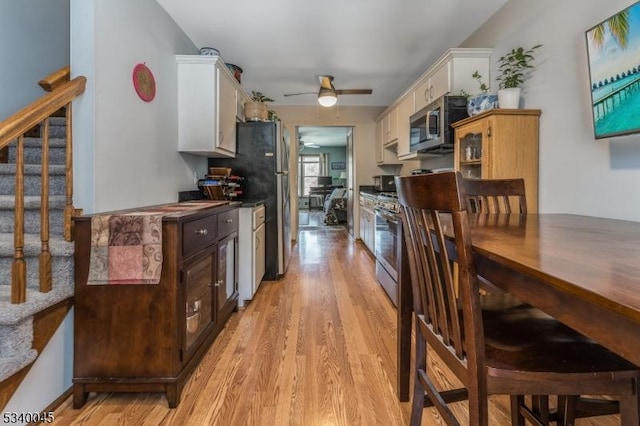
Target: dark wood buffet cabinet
<point>150,337</point>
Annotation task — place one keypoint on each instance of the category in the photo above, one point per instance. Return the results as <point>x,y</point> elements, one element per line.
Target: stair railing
<point>62,92</point>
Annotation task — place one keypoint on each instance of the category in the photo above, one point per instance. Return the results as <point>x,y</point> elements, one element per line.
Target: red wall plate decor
<point>144,83</point>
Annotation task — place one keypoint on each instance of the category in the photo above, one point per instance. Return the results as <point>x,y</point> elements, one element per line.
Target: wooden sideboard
<point>150,337</point>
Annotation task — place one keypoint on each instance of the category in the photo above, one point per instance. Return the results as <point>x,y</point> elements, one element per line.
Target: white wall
<point>126,149</point>
<point>34,42</point>
<point>578,174</point>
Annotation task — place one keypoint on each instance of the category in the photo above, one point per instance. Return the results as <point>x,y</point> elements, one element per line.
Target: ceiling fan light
<point>327,97</point>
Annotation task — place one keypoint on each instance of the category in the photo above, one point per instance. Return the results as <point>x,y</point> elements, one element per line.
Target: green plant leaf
<point>259,97</point>
<point>514,67</point>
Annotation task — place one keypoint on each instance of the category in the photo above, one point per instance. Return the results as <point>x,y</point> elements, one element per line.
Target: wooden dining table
<point>584,271</point>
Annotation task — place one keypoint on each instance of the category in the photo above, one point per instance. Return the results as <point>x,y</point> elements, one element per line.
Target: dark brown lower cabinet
<point>150,337</point>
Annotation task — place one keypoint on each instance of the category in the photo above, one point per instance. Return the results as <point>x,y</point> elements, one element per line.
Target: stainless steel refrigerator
<point>262,158</point>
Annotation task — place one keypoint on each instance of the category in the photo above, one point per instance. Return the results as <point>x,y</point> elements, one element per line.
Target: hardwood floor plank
<point>317,347</point>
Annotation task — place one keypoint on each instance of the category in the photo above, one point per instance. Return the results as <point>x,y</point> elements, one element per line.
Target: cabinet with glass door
<point>500,144</point>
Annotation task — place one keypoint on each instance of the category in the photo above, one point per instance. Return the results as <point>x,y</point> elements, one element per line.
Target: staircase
<point>36,210</point>
<point>16,320</point>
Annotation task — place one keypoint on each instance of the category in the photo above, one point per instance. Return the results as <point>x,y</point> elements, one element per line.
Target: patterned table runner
<point>127,248</point>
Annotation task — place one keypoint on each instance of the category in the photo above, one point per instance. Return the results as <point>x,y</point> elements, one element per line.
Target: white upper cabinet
<point>433,86</point>
<point>208,106</point>
<point>451,74</point>
<point>390,126</point>
<point>405,109</point>
<point>385,152</point>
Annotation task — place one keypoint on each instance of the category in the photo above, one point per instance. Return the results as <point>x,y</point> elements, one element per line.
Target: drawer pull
<point>228,220</point>
<point>203,231</point>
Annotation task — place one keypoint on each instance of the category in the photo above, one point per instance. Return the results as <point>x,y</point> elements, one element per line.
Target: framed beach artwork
<point>613,48</point>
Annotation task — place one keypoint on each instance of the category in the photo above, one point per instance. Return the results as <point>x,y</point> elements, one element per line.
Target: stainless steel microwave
<point>431,126</point>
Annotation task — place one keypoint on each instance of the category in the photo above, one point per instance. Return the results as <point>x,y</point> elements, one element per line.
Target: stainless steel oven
<point>388,229</point>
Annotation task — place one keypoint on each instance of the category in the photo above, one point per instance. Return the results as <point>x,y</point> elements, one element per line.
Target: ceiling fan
<point>328,95</point>
<point>302,145</point>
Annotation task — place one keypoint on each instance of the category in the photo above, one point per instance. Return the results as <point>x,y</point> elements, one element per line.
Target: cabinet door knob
<point>229,220</point>
<point>203,231</point>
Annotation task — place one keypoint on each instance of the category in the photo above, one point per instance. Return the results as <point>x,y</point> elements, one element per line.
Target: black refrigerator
<point>262,159</point>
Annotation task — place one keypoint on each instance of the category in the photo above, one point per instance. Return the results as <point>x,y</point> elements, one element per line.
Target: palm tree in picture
<point>618,26</point>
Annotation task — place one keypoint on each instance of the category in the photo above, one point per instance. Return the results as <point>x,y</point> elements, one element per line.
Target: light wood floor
<point>315,348</point>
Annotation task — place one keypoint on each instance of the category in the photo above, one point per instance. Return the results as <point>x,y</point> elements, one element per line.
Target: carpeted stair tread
<point>32,202</point>
<point>33,151</point>
<point>12,364</point>
<point>61,271</point>
<point>32,179</point>
<point>32,216</point>
<point>57,121</point>
<point>16,338</point>
<point>13,314</point>
<point>57,245</point>
<point>32,169</point>
<point>56,142</point>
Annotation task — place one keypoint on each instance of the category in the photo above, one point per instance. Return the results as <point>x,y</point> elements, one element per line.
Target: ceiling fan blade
<point>354,91</point>
<point>301,93</point>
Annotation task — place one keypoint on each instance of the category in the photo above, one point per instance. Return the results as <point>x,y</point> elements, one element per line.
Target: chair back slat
<point>435,219</point>
<point>495,195</point>
<point>421,294</point>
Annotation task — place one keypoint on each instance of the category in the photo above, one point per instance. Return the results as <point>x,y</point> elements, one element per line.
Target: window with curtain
<point>310,166</point>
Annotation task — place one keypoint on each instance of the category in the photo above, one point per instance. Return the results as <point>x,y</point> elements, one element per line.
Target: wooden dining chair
<point>492,343</point>
<point>506,196</point>
<point>495,195</point>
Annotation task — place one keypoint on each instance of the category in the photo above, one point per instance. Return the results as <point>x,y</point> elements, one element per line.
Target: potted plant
<point>514,69</point>
<point>484,100</point>
<point>256,109</point>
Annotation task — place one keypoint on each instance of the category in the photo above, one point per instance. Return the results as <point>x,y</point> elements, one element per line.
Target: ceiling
<point>324,136</point>
<point>284,45</point>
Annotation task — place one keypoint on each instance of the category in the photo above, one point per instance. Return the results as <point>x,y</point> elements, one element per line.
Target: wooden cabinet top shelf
<point>497,111</point>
